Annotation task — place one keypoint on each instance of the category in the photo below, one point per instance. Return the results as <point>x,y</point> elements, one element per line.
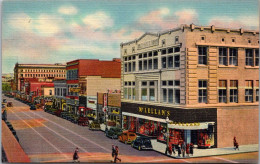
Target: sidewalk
<point>160,147</point>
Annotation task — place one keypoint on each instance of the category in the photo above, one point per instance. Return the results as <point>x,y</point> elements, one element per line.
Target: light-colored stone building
<point>205,78</point>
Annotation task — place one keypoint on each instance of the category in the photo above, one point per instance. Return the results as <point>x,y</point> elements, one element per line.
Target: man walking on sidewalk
<point>76,156</point>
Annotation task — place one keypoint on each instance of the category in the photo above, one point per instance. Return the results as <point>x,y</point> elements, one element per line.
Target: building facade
<point>42,72</point>
<point>86,77</point>
<point>60,89</point>
<point>199,77</point>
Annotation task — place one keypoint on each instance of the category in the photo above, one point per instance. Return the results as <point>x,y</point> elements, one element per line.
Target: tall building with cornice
<point>42,72</point>
<point>203,78</point>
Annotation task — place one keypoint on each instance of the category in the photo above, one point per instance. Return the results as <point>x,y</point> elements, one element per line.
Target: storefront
<point>197,126</point>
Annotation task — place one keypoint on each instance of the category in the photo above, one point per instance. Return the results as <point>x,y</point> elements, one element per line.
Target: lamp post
<point>106,118</point>
<point>167,132</point>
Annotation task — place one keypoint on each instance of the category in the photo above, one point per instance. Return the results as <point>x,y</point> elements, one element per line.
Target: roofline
<point>191,26</point>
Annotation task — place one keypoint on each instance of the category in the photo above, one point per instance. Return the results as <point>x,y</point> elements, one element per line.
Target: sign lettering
<point>154,111</point>
<point>74,89</point>
<point>148,44</point>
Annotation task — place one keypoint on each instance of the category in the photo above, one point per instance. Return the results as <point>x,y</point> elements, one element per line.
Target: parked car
<point>114,132</point>
<point>94,126</point>
<point>9,104</point>
<point>142,143</point>
<point>32,107</point>
<point>127,137</point>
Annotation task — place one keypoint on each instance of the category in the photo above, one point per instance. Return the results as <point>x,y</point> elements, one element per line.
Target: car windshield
<point>131,134</point>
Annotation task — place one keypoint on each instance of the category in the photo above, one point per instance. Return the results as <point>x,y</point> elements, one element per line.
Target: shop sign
<point>154,111</point>
<point>77,89</point>
<point>151,43</point>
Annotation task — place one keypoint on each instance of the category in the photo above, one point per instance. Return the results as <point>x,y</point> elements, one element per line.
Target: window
<point>150,64</point>
<point>50,91</point>
<point>249,57</point>
<point>176,61</point>
<point>163,42</point>
<point>202,91</point>
<point>134,66</point>
<point>170,50</point>
<point>140,56</point>
<point>177,49</point>
<point>233,40</point>
<point>133,93</point>
<point>163,62</point>
<point>152,94</point>
<point>164,95</point>
<point>176,82</point>
<point>155,63</point>
<point>129,93</point>
<point>233,91</point>
<point>145,65</point>
<point>233,56</point>
<point>256,57</point>
<point>129,67</point>
<point>148,90</point>
<point>169,92</point>
<point>140,65</point>
<point>257,95</point>
<point>249,41</point>
<point>164,51</point>
<point>133,49</point>
<point>222,52</point>
<point>155,53</point>
<point>222,91</point>
<point>202,55</point>
<point>145,55</point>
<point>150,54</point>
<point>223,40</point>
<point>249,91</point>
<point>170,95</point>
<point>177,96</point>
<point>176,39</point>
<point>170,61</point>
<point>125,93</point>
<point>203,38</point>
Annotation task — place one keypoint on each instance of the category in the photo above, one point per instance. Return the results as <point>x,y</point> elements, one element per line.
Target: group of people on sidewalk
<point>181,148</point>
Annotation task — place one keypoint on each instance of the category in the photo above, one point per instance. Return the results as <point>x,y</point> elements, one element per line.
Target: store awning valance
<point>191,126</point>
<point>144,117</point>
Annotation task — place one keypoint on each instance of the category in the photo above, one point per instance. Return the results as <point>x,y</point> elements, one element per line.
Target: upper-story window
<point>170,92</point>
<point>233,56</point>
<point>222,56</point>
<point>256,57</point>
<point>233,91</point>
<point>249,57</point>
<point>249,91</point>
<point>202,91</point>
<point>149,91</point>
<point>222,91</point>
<point>133,49</point>
<point>203,55</point>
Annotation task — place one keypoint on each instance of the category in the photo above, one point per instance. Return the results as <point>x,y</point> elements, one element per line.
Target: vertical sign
<point>104,102</point>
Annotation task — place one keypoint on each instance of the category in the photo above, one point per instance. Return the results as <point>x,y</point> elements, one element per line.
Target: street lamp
<point>167,132</point>
<point>106,118</point>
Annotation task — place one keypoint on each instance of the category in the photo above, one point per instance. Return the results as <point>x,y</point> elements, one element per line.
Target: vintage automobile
<point>9,104</point>
<point>142,143</point>
<point>32,107</point>
<point>94,126</point>
<point>127,137</point>
<point>114,132</point>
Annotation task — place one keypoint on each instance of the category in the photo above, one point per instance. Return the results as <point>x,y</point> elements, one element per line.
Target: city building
<point>203,79</point>
<point>60,89</point>
<point>87,77</point>
<point>109,108</point>
<point>42,72</point>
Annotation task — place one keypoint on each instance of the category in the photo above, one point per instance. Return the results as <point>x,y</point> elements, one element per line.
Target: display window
<point>132,124</point>
<point>206,137</point>
<point>162,132</point>
<point>147,127</point>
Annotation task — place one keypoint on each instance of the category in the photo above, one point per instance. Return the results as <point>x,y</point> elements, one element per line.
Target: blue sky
<point>59,31</point>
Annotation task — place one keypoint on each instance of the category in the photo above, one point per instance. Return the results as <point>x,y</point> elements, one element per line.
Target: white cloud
<point>186,16</point>
<point>20,21</point>
<point>68,10</point>
<point>248,22</point>
<point>99,20</point>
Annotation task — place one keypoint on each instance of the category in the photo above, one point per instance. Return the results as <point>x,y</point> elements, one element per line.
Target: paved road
<point>47,138</point>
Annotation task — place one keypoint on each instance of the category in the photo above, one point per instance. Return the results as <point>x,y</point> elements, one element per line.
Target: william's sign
<point>154,111</point>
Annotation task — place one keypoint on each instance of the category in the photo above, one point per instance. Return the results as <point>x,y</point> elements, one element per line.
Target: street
<point>48,138</point>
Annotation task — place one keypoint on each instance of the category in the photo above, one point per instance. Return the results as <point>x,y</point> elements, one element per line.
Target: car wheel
<point>139,148</point>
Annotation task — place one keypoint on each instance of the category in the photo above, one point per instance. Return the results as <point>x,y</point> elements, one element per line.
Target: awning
<point>144,117</point>
<point>191,126</point>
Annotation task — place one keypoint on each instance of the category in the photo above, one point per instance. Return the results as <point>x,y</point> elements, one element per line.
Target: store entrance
<point>194,137</point>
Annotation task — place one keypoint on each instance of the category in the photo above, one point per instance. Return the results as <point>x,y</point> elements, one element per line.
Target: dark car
<point>32,107</point>
<point>94,126</point>
<point>114,132</point>
<point>142,143</point>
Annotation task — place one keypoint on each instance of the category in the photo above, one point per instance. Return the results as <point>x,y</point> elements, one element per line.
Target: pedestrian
<point>236,146</point>
<point>188,149</point>
<point>76,156</point>
<point>183,148</point>
<point>116,154</point>
<point>113,151</point>
<point>179,150</point>
<point>191,149</point>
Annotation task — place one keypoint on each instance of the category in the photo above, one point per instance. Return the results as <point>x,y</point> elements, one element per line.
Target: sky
<point>48,32</point>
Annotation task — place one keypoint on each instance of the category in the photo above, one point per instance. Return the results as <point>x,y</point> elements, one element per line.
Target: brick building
<point>86,77</point>
<point>204,79</point>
